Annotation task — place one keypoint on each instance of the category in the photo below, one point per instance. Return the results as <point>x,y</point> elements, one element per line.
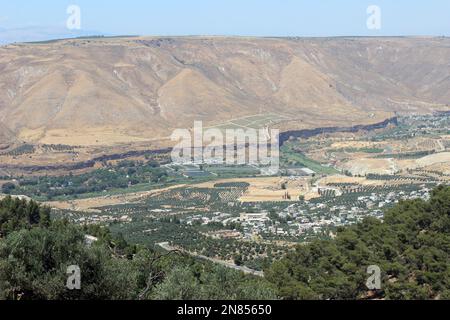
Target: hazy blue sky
<point>235,17</point>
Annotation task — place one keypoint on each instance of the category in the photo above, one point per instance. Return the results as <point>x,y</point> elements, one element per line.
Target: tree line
<point>411,247</point>
<point>36,251</point>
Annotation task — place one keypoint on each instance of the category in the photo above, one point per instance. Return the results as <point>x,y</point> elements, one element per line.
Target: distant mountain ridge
<point>36,34</point>
<point>106,91</point>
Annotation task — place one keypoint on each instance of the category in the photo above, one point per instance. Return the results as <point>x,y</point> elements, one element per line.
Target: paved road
<point>166,246</point>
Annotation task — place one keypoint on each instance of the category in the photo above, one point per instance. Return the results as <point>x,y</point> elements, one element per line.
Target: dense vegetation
<point>357,150</point>
<point>292,155</point>
<point>411,246</point>
<point>126,174</point>
<point>35,253</point>
<point>21,150</point>
<point>406,155</point>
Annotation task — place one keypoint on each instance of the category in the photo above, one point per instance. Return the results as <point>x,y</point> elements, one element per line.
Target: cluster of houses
<point>313,217</point>
<point>309,217</point>
<point>100,219</point>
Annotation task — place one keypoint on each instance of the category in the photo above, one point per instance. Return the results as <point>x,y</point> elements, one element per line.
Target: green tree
<point>180,284</point>
<point>8,187</point>
<point>410,247</point>
<point>33,265</point>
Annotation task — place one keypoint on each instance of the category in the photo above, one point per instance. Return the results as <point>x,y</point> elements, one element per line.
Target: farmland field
<point>252,122</point>
<point>229,213</point>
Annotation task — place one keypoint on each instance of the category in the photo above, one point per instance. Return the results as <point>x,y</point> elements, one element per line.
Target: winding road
<point>166,246</point>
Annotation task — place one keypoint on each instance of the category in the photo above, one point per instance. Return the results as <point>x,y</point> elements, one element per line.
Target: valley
<point>85,128</point>
<point>234,214</point>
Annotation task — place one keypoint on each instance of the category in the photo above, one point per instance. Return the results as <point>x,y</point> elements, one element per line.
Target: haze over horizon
<point>225,18</point>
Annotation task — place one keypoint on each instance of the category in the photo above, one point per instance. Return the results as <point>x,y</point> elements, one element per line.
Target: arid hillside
<point>114,90</point>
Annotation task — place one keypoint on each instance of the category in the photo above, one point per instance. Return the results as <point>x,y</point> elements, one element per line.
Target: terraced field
<point>252,122</point>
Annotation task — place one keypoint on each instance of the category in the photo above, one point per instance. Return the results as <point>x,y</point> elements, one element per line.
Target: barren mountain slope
<point>7,138</point>
<point>108,91</point>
